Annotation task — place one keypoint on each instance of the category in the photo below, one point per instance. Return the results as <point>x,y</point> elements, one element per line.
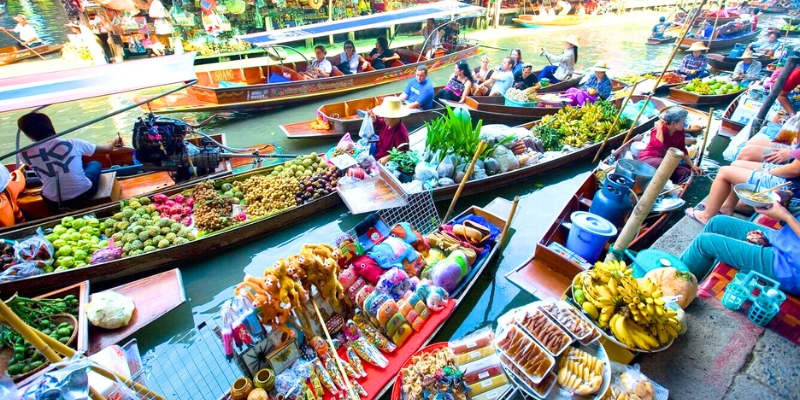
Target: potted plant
<point>406,163</point>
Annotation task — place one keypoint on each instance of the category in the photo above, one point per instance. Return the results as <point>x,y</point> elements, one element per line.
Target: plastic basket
<point>514,103</point>
<point>735,296</point>
<point>762,311</point>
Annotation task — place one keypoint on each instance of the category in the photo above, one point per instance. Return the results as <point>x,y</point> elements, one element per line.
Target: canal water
<point>617,40</point>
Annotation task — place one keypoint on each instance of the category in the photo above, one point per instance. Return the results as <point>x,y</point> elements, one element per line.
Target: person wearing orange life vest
<point>11,185</point>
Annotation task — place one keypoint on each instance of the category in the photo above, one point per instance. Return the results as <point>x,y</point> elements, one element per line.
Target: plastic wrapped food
<point>35,249</point>
<point>21,270</point>
<point>109,310</point>
<point>109,253</point>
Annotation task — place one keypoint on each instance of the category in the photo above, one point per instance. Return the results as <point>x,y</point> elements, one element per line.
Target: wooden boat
<point>721,61</point>
<point>154,297</point>
<point>664,40</point>
<point>721,43</point>
<point>681,96</point>
<point>533,21</point>
<point>259,83</point>
<point>548,274</point>
<point>11,54</point>
<point>496,213</point>
<point>343,118</point>
<point>775,9</point>
<point>681,17</point>
<point>124,267</point>
<point>730,127</point>
<point>785,32</point>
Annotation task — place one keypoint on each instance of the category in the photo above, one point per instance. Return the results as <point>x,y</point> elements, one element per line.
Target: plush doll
<point>331,289</point>
<point>434,256</point>
<point>264,294</point>
<point>410,235</point>
<point>288,293</point>
<point>448,273</point>
<point>434,296</point>
<point>413,268</point>
<point>394,283</point>
<point>368,268</point>
<point>392,252</point>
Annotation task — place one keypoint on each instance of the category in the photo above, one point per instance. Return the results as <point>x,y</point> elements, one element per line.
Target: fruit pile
<point>266,195</point>
<point>178,209</point>
<point>37,314</point>
<point>75,240</point>
<point>712,86</point>
<point>580,372</point>
<point>212,211</point>
<point>578,126</point>
<point>522,96</point>
<point>138,228</point>
<point>787,27</point>
<point>672,78</point>
<point>632,310</point>
<point>630,79</point>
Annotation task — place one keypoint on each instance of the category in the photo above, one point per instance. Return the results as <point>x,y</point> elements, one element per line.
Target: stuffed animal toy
<point>371,231</point>
<point>434,256</point>
<point>392,252</point>
<point>331,289</point>
<point>264,294</point>
<point>449,272</point>
<point>368,268</point>
<point>413,268</point>
<point>348,278</point>
<point>348,249</point>
<point>410,235</point>
<point>394,283</point>
<point>435,297</point>
<point>288,288</point>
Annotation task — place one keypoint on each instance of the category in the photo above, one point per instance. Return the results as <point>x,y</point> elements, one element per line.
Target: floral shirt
<point>603,87</point>
<point>694,63</point>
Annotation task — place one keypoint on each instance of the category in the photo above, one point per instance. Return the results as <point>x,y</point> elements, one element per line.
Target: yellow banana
<point>663,338</point>
<point>621,332</point>
<point>612,287</point>
<point>658,294</point>
<point>659,301</point>
<point>606,312</point>
<point>672,332</point>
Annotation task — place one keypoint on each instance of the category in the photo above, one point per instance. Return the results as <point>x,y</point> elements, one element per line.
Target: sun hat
<point>20,18</point>
<point>600,66</point>
<point>573,40</point>
<point>747,54</point>
<point>697,46</point>
<point>392,107</point>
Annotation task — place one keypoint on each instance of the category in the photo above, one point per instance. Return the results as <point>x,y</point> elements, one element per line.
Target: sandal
<point>690,213</point>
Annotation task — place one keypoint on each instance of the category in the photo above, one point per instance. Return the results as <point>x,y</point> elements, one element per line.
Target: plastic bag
<point>21,270</point>
<point>157,10</point>
<point>35,249</point>
<point>367,131</point>
<point>425,172</point>
<point>629,381</point>
<point>446,168</point>
<point>109,310</point>
<point>69,382</point>
<point>738,141</point>
<point>789,130</point>
<point>8,390</point>
<point>162,27</point>
<point>109,253</point>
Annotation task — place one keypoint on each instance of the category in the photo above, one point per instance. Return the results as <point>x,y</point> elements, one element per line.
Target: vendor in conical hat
<point>564,64</point>
<point>392,133</point>
<point>694,65</point>
<point>593,86</point>
<point>747,70</point>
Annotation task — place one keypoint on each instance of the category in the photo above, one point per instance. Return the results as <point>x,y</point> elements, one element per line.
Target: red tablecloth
<point>378,378</point>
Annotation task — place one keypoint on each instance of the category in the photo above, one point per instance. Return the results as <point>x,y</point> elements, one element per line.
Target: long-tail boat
<point>12,54</point>
<point>721,43</point>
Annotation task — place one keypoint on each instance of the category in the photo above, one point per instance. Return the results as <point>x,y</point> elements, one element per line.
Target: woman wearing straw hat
<point>597,85</point>
<point>392,133</point>
<point>563,65</point>
<point>747,70</point>
<point>694,65</point>
<point>27,34</point>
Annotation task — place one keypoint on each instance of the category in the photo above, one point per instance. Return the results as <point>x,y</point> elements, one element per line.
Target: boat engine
<point>161,146</point>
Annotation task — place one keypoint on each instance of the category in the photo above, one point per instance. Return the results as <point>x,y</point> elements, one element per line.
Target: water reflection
<point>46,16</point>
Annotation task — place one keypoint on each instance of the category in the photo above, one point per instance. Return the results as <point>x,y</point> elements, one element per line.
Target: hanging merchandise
<point>125,23</point>
<point>162,26</point>
<point>224,24</point>
<point>157,10</point>
<point>118,5</point>
<point>208,6</point>
<point>179,17</point>
<point>212,23</point>
<point>236,6</point>
<point>316,4</point>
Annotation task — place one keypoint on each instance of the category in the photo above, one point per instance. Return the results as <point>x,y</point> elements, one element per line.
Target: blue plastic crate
<point>514,103</point>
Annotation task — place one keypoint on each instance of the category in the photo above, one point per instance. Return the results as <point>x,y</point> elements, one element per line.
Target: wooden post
<point>645,204</point>
<point>791,63</point>
<point>705,137</point>
<point>478,151</point>
<point>616,120</point>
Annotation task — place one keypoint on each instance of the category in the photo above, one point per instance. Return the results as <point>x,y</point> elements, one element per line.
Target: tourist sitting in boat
<point>320,66</point>
<point>715,11</point>
<point>350,61</point>
<point>58,163</point>
<point>750,247</point>
<point>382,55</point>
<point>564,64</point>
<point>722,199</point>
<point>694,64</point>
<point>516,61</point>
<point>392,133</point>
<point>27,34</point>
<point>669,132</point>
<point>597,86</point>
<point>748,70</point>
<point>660,28</point>
<point>418,94</point>
<point>741,9</point>
<point>364,8</point>
<point>768,46</point>
<point>500,81</point>
<point>705,31</point>
<point>433,38</point>
<point>460,84</point>
<point>11,185</point>
<point>482,73</point>
<point>526,78</point>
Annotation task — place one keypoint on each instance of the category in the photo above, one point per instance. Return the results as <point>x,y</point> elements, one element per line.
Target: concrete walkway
<point>723,355</point>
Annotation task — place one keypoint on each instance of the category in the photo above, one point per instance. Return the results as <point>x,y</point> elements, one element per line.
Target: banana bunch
<point>580,372</point>
<point>631,309</point>
<point>320,124</point>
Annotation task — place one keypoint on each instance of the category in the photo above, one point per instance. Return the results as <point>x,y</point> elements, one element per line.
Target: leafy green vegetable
<point>406,160</point>
<point>453,133</point>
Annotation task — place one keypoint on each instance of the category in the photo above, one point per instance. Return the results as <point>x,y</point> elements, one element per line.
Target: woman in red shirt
<point>669,132</point>
<point>392,134</point>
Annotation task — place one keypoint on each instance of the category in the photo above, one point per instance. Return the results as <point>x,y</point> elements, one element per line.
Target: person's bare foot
<point>697,215</point>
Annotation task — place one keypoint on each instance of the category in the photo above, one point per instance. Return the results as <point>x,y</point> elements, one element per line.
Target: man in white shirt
<point>500,80</point>
<point>27,35</point>
<point>320,67</point>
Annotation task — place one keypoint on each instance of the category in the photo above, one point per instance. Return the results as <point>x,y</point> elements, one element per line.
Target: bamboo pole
<point>705,138</point>
<point>645,204</point>
<point>26,46</point>
<point>508,222</point>
<point>664,70</point>
<point>616,120</point>
<point>716,19</point>
<point>478,152</point>
<point>351,394</point>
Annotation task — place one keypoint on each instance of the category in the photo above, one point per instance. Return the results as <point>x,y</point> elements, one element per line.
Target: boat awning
<point>381,20</point>
<point>30,91</point>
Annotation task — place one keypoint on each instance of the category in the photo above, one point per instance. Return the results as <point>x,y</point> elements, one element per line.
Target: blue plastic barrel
<point>738,50</point>
<point>589,235</point>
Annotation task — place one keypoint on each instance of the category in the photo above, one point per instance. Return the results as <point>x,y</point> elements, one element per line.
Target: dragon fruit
<point>180,199</point>
<point>176,210</point>
<point>160,198</point>
<point>187,221</point>
<point>187,210</point>
<point>176,218</point>
<point>190,202</point>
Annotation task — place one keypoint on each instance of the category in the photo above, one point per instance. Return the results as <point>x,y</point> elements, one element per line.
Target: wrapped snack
<point>483,374</point>
<point>36,249</point>
<point>357,386</point>
<point>355,362</point>
<point>476,354</point>
<point>491,394</point>
<point>627,381</point>
<point>325,377</point>
<point>432,374</point>
<point>308,393</point>
<point>372,334</point>
<point>333,372</point>
<point>479,339</point>
<point>305,370</point>
<point>289,384</point>
<point>488,384</point>
<point>362,347</point>
<point>580,372</point>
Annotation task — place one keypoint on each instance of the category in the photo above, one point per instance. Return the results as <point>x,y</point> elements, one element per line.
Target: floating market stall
<point>706,91</point>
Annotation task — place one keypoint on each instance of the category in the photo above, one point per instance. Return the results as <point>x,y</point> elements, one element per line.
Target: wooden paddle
<point>481,147</point>
<point>22,43</point>
<point>716,19</point>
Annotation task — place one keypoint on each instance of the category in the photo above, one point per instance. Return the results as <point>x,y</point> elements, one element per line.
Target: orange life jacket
<point>10,214</point>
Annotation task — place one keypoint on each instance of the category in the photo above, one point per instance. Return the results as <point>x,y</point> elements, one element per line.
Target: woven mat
<point>786,323</point>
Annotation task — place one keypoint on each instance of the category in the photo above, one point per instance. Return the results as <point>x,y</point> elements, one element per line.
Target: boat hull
<point>688,98</point>
<point>533,21</point>
<point>722,62</point>
<point>720,43</point>
<point>270,95</point>
<point>11,56</point>
<point>665,40</point>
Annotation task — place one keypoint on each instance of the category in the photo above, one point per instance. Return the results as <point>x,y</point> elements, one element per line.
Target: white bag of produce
<point>507,160</point>
<point>446,168</point>
<point>109,310</point>
<point>629,380</point>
